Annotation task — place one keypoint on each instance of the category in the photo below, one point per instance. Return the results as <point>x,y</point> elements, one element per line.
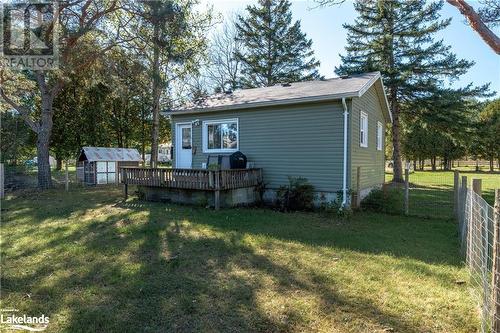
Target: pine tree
<point>274,49</point>
<point>396,37</point>
<point>489,132</point>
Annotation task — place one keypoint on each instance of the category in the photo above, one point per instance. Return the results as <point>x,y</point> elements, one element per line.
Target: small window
<point>111,167</point>
<point>186,138</point>
<point>220,136</point>
<point>363,130</point>
<point>380,135</point>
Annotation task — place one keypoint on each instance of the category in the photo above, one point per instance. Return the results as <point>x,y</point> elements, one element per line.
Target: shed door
<point>106,172</point>
<point>184,153</point>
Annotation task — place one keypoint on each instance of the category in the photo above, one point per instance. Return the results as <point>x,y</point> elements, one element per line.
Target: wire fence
<point>431,194</point>
<point>23,177</point>
<point>479,232</point>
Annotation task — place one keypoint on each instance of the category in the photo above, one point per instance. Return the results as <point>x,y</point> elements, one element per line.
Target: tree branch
<point>23,111</point>
<point>477,24</point>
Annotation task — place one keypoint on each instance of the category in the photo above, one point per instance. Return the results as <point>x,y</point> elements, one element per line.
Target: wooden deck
<point>194,179</point>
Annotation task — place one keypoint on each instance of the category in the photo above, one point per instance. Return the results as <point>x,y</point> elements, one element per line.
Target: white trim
<point>386,104</point>
<point>380,138</point>
<point>368,84</point>
<point>204,135</point>
<point>177,136</point>
<point>363,143</point>
<point>344,169</point>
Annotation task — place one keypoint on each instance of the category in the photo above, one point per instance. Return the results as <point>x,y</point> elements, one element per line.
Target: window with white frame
<point>363,130</point>
<point>220,136</point>
<point>380,135</point>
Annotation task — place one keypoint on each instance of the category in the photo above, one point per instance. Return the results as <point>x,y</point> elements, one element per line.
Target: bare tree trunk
<point>492,165</point>
<point>156,97</point>
<point>58,163</point>
<point>143,136</point>
<point>446,164</point>
<point>43,140</point>
<point>433,163</point>
<point>397,175</point>
<point>396,153</point>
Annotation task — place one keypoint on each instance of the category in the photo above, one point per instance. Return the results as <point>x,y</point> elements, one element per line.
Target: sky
<point>324,26</point>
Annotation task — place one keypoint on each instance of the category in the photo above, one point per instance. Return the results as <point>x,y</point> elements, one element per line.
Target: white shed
<point>99,165</point>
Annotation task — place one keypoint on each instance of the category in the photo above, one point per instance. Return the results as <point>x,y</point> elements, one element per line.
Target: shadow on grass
<point>153,268</point>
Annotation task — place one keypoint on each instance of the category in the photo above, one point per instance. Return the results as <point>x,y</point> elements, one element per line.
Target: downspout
<point>344,175</point>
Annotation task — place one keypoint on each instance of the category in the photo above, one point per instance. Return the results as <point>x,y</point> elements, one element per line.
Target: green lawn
<point>431,192</point>
<point>94,263</point>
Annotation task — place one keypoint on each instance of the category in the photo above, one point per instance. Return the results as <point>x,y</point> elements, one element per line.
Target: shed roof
<point>93,154</point>
<point>291,93</point>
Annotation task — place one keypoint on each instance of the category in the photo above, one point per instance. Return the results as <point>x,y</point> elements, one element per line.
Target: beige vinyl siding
<point>371,160</point>
<point>301,140</point>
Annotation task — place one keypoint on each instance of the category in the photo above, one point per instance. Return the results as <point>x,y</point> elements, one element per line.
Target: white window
<point>363,130</point>
<point>220,136</point>
<point>380,135</point>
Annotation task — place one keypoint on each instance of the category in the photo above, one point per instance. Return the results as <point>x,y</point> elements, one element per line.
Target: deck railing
<point>195,179</point>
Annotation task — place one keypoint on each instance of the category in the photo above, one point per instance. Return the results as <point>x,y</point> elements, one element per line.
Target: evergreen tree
<point>396,37</point>
<point>489,132</point>
<point>274,49</point>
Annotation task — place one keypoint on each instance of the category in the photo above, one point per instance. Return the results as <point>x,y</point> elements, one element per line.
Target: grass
<point>431,192</point>
<point>94,263</point>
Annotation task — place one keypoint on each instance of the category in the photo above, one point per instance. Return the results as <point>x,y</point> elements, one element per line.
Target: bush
<point>298,195</point>
<point>335,208</point>
<point>388,201</point>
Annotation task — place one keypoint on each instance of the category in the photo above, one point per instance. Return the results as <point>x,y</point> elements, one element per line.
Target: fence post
<point>2,180</point>
<point>456,189</point>
<point>358,187</point>
<point>125,183</point>
<point>476,186</point>
<point>464,227</point>
<point>463,196</point>
<point>211,179</point>
<point>407,189</point>
<point>496,265</point>
<point>66,176</point>
<point>217,190</point>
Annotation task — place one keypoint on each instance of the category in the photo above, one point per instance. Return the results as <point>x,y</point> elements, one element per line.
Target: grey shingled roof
<point>111,154</point>
<point>309,91</point>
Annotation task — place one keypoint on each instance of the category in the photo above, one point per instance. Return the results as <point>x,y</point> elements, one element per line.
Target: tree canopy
<point>398,38</point>
<point>274,49</point>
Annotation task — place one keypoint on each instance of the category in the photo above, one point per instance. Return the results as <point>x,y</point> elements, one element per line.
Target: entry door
<point>184,151</point>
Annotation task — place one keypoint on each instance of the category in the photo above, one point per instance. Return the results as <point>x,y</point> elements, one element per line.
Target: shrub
<point>297,195</point>
<point>388,201</point>
<point>335,208</point>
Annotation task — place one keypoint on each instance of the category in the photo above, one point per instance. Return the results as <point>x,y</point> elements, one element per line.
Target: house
<point>164,153</point>
<point>52,161</point>
<point>322,130</point>
<point>99,165</point>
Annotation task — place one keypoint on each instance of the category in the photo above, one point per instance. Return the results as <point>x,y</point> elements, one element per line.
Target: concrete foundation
<point>228,198</point>
<point>270,196</point>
